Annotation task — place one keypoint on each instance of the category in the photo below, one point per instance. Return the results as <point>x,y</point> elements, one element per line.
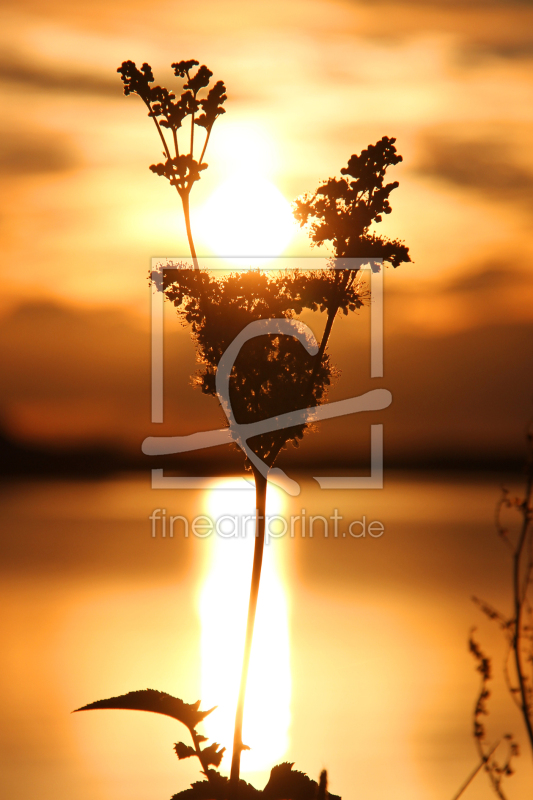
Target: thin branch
<point>205,144</point>
<point>192,126</point>
<point>158,126</point>
<point>518,605</point>
<point>473,774</point>
<point>200,755</point>
<point>513,690</point>
<point>502,531</point>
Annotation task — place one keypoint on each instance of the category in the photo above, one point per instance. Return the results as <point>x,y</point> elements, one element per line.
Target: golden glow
<point>246,215</point>
<point>223,612</point>
<point>243,147</point>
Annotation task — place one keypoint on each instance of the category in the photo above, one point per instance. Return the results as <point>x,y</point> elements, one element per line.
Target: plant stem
<point>192,132</point>
<point>260,503</point>
<point>160,132</point>
<point>318,358</point>
<point>519,597</point>
<point>186,213</point>
<point>473,774</point>
<point>199,754</point>
<point>205,145</point>
<point>342,283</point>
<point>332,313</point>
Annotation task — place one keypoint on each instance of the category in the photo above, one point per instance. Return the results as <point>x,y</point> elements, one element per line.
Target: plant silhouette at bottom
<point>284,783</point>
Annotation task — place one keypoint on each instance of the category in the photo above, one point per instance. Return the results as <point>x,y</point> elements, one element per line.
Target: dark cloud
<point>24,152</point>
<point>87,373</point>
<point>479,30</point>
<point>452,4</point>
<point>491,278</point>
<point>506,50</point>
<point>27,74</point>
<point>30,76</point>
<point>484,165</point>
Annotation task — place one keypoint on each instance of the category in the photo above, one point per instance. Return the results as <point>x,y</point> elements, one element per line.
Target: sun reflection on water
<point>223,611</point>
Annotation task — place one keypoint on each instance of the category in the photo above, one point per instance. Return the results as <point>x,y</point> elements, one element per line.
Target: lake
<point>361,664</point>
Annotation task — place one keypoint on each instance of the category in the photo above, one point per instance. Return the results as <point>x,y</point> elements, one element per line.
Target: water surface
<point>381,683</point>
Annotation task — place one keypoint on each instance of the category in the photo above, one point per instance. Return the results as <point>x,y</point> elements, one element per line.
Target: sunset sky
<point>308,83</point>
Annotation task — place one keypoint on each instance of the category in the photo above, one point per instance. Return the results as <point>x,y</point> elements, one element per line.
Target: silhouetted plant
<point>273,374</point>
<point>284,784</point>
<point>518,632</point>
<point>181,169</point>
<point>341,213</point>
<point>495,769</point>
<point>187,713</point>
<point>518,628</point>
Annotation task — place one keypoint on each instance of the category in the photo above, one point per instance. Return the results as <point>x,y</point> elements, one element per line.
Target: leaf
<point>322,791</point>
<point>211,754</point>
<point>158,703</point>
<point>216,788</point>
<point>184,750</point>
<point>288,784</point>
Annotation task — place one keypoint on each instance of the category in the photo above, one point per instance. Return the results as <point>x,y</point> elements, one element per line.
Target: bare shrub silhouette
<point>517,630</point>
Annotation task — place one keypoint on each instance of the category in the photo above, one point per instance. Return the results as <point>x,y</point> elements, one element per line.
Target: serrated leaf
<point>288,784</point>
<point>156,702</point>
<point>216,788</point>
<point>212,755</point>
<point>183,750</point>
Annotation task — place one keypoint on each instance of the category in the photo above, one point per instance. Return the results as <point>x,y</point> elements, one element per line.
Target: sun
<point>246,217</point>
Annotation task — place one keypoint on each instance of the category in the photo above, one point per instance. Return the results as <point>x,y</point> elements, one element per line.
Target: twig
<point>473,774</point>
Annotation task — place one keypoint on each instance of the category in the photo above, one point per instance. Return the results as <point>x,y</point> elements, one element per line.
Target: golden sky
<point>309,83</point>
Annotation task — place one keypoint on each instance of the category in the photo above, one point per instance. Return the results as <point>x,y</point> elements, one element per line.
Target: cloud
<point>23,152</point>
<point>506,50</point>
<point>482,165</point>
<point>491,278</point>
<point>78,375</point>
<point>453,4</point>
<point>31,75</point>
<point>478,28</point>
